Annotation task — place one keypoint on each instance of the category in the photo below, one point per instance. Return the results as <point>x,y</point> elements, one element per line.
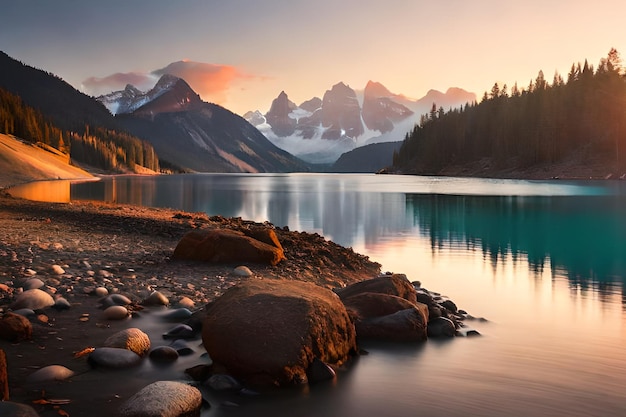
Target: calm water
<point>544,262</point>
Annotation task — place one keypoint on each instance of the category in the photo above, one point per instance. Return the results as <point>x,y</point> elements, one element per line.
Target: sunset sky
<point>242,53</point>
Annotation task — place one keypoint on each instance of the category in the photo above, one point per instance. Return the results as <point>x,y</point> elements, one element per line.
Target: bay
<point>543,261</point>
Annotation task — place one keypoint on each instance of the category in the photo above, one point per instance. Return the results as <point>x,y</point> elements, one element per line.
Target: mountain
<point>191,134</point>
<point>320,130</point>
<point>368,158</point>
<point>45,109</point>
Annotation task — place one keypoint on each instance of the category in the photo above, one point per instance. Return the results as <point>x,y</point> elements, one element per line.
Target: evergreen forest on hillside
<point>582,118</point>
<point>98,147</point>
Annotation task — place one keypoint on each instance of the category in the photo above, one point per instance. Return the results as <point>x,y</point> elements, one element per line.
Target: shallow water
<point>543,261</point>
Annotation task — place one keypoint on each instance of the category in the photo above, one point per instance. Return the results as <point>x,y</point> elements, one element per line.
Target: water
<point>543,261</point>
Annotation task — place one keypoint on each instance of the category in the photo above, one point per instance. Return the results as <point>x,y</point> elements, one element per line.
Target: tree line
<point>544,123</point>
<point>98,147</point>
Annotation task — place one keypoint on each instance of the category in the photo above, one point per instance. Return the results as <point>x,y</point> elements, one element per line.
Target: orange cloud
<point>210,81</point>
<point>118,81</point>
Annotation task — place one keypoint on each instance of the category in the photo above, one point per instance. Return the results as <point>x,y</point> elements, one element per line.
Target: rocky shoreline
<point>82,253</point>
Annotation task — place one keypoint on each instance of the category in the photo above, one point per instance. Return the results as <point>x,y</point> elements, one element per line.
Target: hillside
<point>22,162</point>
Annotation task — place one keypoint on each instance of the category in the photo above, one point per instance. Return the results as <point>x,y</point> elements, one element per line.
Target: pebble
<point>56,269</point>
<point>223,382</point>
<point>115,313</point>
<point>186,302</point>
<point>163,354</point>
<point>33,283</point>
<point>180,331</point>
<point>61,304</point>
<point>115,300</point>
<point>51,373</point>
<point>101,292</point>
<point>177,314</point>
<point>156,299</point>
<point>242,271</point>
<point>116,358</point>
<point>132,339</point>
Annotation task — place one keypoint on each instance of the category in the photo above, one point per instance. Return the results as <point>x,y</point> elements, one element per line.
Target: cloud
<point>211,81</point>
<point>118,81</point>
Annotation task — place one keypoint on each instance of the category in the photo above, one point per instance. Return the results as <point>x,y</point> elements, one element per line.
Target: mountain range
<point>321,130</point>
<point>195,135</point>
<point>187,134</point>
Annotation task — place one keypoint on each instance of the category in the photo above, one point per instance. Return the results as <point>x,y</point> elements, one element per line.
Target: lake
<point>543,261</point>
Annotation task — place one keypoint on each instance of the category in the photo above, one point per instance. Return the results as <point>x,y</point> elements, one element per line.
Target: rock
<point>177,314</point>
<point>26,312</point>
<point>369,304</point>
<point>33,283</point>
<point>116,358</point>
<point>34,299</point>
<point>15,328</point>
<point>268,331</point>
<point>11,409</point>
<point>163,399</point>
<point>62,304</point>
<point>449,305</point>
<point>115,313</point>
<point>242,271</point>
<point>180,331</point>
<point>185,302</point>
<point>56,269</point>
<point>164,354</point>
<point>319,371</point>
<point>222,382</point>
<point>441,327</point>
<point>226,246</point>
<point>156,299</point>
<point>396,284</point>
<point>181,347</point>
<point>115,300</point>
<point>403,326</point>
<point>132,339</point>
<point>101,292</point>
<point>50,373</point>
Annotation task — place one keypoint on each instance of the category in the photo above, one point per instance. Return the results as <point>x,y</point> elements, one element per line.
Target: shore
<point>128,250</point>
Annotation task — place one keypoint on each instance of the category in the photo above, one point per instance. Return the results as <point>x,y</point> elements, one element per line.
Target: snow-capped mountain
<point>194,135</point>
<point>321,130</point>
<point>130,99</point>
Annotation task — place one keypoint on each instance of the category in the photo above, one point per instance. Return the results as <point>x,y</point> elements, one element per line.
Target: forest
<point>582,117</point>
<point>99,147</point>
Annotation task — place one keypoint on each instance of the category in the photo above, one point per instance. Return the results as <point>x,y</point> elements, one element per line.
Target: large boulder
<point>269,332</point>
<point>228,246</point>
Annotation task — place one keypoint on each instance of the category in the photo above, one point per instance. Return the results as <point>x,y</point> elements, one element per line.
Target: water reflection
<point>583,238</point>
<point>574,230</point>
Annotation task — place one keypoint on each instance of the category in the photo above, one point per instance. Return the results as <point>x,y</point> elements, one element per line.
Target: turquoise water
<point>543,261</point>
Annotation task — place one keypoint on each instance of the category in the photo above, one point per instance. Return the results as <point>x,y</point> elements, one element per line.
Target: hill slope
<point>22,162</point>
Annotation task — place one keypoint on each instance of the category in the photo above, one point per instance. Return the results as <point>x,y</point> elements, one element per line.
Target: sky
<point>242,53</point>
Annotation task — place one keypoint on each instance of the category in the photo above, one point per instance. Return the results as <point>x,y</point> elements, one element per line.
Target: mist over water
<point>543,261</point>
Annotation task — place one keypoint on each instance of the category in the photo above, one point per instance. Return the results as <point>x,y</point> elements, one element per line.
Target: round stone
<point>115,313</point>
<point>163,354</point>
<point>117,358</point>
<point>51,373</point>
<point>33,283</point>
<point>156,299</point>
<point>56,269</point>
<point>132,339</point>
<point>34,299</point>
<point>242,271</point>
